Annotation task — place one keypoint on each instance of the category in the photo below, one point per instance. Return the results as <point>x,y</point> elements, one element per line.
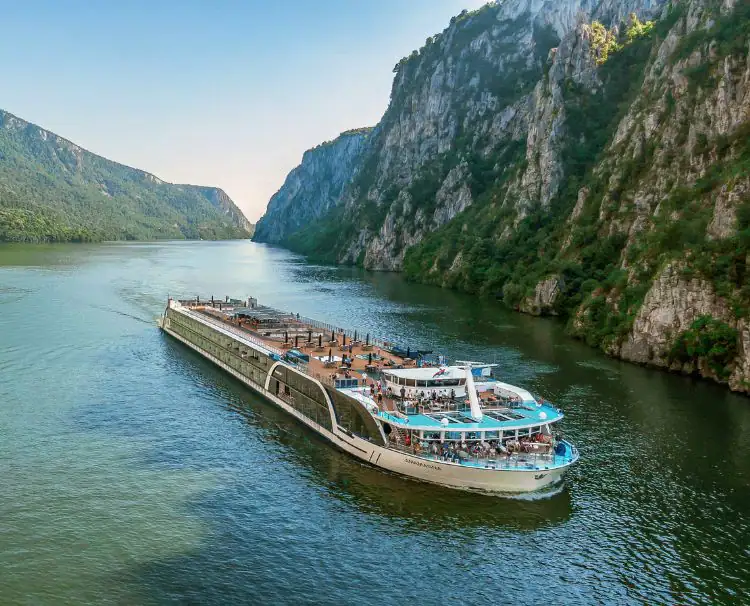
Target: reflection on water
<point>133,471</point>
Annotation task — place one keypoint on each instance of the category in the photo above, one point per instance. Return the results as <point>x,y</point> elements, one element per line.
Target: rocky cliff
<point>585,159</point>
<point>314,187</point>
<point>52,189</point>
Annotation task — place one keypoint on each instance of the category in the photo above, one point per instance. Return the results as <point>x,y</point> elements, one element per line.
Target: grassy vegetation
<point>709,340</point>
<point>605,42</point>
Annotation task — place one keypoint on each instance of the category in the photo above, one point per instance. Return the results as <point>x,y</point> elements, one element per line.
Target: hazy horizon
<point>228,94</point>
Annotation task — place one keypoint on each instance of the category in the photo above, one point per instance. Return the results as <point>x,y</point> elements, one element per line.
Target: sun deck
<point>459,419</point>
<point>319,350</point>
<point>314,347</point>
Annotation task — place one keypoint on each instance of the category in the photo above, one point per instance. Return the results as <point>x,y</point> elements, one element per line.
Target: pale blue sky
<point>213,92</point>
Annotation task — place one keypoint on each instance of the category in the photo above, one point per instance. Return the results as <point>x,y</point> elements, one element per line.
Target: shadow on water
<point>45,256</point>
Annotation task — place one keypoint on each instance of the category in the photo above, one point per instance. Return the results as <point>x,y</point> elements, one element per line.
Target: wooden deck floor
<point>319,366</point>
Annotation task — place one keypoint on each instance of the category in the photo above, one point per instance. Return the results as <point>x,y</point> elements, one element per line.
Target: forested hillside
<point>53,190</point>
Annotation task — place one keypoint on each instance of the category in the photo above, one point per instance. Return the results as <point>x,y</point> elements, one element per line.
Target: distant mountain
<point>314,187</point>
<point>54,190</point>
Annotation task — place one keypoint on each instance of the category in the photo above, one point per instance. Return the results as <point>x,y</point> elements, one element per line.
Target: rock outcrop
<point>314,187</point>
<point>578,157</point>
<point>673,303</point>
<point>542,302</point>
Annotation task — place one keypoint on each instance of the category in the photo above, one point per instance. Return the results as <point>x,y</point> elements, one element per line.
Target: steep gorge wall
<point>573,160</point>
<point>314,187</point>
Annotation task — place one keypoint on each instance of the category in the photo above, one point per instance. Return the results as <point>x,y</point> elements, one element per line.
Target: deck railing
<point>239,332</point>
<point>529,461</point>
<point>330,328</point>
<point>374,341</point>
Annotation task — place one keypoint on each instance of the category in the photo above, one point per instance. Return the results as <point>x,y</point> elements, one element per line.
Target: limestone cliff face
<point>582,158</point>
<point>678,182</point>
<point>314,187</point>
<point>465,109</point>
<point>478,92</point>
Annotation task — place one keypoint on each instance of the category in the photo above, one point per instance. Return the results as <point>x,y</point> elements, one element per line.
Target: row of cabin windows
<point>229,357</point>
<point>300,384</point>
<point>248,353</point>
<point>300,392</point>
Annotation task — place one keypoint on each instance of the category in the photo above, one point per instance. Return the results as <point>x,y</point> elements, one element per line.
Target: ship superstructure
<point>410,412</point>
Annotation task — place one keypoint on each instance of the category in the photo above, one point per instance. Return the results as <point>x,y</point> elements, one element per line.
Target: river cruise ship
<point>406,411</point>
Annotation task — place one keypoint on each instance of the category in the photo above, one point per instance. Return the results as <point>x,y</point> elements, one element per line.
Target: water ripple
<point>135,472</point>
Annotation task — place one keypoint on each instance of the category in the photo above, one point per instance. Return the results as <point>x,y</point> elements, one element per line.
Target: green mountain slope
<point>53,190</point>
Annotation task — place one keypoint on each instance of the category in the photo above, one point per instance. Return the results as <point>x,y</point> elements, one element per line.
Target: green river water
<point>132,471</point>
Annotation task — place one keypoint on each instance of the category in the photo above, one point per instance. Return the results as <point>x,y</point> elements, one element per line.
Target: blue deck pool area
<point>493,419</point>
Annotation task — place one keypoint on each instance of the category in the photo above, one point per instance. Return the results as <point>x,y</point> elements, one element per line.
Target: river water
<point>132,471</point>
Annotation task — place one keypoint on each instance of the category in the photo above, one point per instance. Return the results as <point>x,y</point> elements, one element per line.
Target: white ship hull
<point>453,475</point>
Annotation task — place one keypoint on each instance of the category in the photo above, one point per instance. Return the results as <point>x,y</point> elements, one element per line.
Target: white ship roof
<point>451,372</point>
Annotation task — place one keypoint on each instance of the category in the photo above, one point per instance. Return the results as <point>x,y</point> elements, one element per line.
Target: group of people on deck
<point>376,392</point>
<point>457,451</point>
